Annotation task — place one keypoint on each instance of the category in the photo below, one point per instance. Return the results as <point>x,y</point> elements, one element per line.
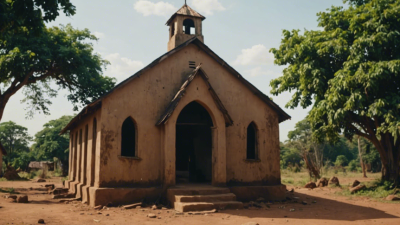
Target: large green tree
<point>15,139</point>
<point>349,71</point>
<point>49,143</point>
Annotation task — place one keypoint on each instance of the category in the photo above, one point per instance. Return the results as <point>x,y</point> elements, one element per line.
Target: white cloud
<point>148,8</point>
<point>121,67</point>
<point>256,55</point>
<point>207,7</point>
<point>259,71</point>
<point>99,34</point>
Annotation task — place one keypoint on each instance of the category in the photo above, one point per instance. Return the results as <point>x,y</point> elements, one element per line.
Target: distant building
<point>188,118</point>
<point>41,165</point>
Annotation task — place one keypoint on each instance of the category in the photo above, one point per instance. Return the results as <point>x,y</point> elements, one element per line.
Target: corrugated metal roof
<point>186,11</point>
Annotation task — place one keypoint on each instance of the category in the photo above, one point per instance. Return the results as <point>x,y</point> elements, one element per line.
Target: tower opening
<point>188,27</point>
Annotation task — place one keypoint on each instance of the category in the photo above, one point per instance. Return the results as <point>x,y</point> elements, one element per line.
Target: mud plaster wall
<point>75,166</point>
<point>145,99</point>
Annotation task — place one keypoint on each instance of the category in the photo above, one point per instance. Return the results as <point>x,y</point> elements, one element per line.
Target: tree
<point>15,139</point>
<point>49,143</point>
<point>350,73</point>
<point>311,151</point>
<point>17,15</point>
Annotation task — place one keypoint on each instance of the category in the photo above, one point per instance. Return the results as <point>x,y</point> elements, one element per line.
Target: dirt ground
<point>324,207</point>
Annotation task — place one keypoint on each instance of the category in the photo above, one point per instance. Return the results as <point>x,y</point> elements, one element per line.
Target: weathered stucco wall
<point>146,97</point>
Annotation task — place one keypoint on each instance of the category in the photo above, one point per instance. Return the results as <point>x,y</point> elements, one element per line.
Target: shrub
<point>354,165</point>
<point>341,160</point>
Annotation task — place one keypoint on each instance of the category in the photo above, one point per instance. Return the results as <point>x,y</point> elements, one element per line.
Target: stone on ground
<point>41,221</point>
<point>392,198</point>
<point>22,199</point>
<point>355,183</point>
<point>323,182</point>
<point>358,188</point>
<point>98,207</point>
<point>310,185</point>
<point>151,215</point>
<point>334,181</point>
<point>131,206</point>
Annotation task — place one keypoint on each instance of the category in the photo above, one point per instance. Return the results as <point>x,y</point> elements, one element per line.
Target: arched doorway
<point>194,145</point>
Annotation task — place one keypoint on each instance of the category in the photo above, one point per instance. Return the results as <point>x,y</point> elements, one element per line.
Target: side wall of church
<point>145,99</point>
<point>84,150</point>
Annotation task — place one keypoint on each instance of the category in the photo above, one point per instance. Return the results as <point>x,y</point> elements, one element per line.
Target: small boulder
<point>355,183</point>
<point>334,181</point>
<point>151,215</point>
<point>392,198</point>
<point>358,188</point>
<point>323,182</point>
<point>310,185</point>
<point>40,180</point>
<point>41,221</point>
<point>98,207</point>
<point>22,199</point>
<point>11,196</point>
<point>154,207</point>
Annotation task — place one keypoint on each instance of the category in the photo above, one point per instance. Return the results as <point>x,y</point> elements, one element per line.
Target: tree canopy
<point>15,139</point>
<point>350,73</point>
<point>49,143</point>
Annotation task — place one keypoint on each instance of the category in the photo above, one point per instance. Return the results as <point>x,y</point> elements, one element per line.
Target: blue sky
<point>133,33</point>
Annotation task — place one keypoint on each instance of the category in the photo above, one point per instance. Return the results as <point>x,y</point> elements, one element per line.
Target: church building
<point>188,124</point>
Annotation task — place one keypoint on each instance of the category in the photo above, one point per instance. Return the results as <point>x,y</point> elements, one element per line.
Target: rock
<point>323,182</point>
<point>11,196</point>
<point>151,215</point>
<point>358,188</point>
<point>49,186</point>
<point>136,205</point>
<point>11,200</point>
<point>104,207</point>
<point>334,181</point>
<point>107,215</point>
<point>304,203</point>
<point>310,185</point>
<point>251,223</point>
<point>154,207</point>
<point>40,180</point>
<point>98,207</point>
<point>41,221</point>
<point>355,183</point>
<point>22,199</point>
<point>260,200</point>
<point>392,198</point>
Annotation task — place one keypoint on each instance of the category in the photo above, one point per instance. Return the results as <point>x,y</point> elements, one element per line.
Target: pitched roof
<point>2,149</point>
<point>175,101</point>
<point>185,11</point>
<point>97,103</point>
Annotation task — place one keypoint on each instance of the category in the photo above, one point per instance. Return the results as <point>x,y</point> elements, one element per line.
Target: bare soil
<point>323,207</point>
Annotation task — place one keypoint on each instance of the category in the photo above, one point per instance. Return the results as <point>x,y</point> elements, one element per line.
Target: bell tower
<point>184,25</point>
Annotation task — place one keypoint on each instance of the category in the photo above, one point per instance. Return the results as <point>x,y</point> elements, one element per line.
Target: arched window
<point>252,141</point>
<point>188,27</point>
<point>128,138</point>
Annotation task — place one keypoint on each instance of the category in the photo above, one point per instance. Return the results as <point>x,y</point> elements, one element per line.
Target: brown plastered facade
<point>153,99</point>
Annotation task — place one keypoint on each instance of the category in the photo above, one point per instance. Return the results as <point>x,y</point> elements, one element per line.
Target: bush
<point>354,165</point>
<point>341,160</point>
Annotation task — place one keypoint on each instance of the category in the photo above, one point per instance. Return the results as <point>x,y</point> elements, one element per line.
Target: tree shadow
<point>322,208</point>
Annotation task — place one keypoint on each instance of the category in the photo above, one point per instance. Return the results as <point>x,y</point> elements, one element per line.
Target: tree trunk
<point>310,166</point>
<point>361,160</point>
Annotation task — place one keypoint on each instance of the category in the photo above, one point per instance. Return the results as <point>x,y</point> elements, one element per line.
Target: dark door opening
<point>194,145</point>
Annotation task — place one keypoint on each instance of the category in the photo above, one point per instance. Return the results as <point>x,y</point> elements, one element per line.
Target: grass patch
<point>8,190</point>
<point>374,189</point>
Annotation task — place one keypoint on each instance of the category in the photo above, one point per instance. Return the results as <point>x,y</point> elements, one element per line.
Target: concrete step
<point>198,191</point>
<point>203,206</point>
<point>206,198</point>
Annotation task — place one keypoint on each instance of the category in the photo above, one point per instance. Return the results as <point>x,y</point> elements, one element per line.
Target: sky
<point>132,33</point>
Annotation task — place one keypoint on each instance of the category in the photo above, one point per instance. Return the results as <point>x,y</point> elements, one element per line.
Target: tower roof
<point>185,10</point>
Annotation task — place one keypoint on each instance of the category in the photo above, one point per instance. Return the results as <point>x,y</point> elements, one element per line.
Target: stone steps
<point>189,199</point>
<point>206,198</point>
<point>205,206</point>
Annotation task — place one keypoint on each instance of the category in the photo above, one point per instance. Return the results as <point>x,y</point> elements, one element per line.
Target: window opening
<point>188,27</point>
<point>251,141</point>
<point>128,138</point>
